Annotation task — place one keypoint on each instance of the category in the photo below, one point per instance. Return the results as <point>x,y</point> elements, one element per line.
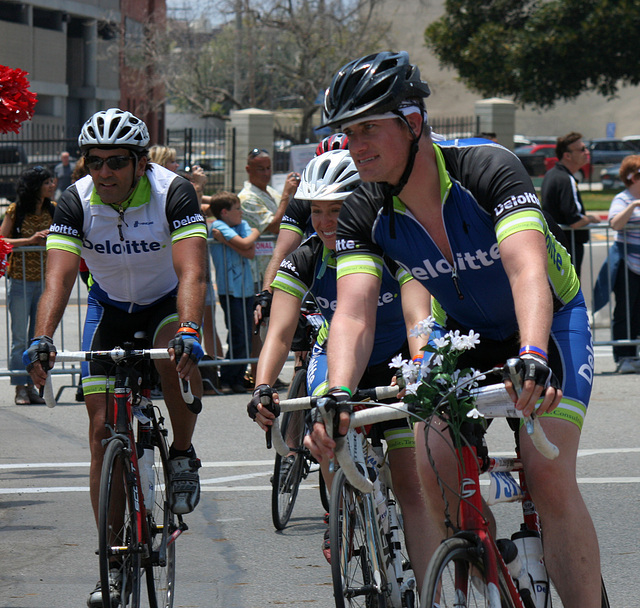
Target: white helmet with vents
<point>332,176</point>
<point>114,128</point>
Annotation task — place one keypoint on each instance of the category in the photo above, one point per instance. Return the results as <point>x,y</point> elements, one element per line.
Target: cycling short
<point>397,433</point>
<point>106,327</point>
<point>570,352</point>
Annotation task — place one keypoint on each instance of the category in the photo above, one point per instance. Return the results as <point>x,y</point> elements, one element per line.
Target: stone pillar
<point>497,116</point>
<point>254,129</point>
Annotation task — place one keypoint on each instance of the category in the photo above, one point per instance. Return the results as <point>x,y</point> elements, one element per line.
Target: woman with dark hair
<point>26,223</point>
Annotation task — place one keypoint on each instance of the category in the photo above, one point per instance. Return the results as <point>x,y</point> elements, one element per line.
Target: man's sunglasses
<point>257,151</point>
<point>113,162</point>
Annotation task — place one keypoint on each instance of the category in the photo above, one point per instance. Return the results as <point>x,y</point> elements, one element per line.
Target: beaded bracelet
<point>533,350</point>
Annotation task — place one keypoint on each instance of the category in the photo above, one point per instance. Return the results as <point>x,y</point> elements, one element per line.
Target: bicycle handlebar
<point>491,401</point>
<point>117,355</point>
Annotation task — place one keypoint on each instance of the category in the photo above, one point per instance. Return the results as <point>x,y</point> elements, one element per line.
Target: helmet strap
<point>390,190</point>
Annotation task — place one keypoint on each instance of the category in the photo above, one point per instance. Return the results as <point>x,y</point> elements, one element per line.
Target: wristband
<point>340,388</point>
<point>189,331</point>
<point>533,350</point>
<point>418,359</point>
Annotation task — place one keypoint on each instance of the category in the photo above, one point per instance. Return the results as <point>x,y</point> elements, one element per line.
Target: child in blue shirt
<point>234,246</point>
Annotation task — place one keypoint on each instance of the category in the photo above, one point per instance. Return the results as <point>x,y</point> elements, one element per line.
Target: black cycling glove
<point>263,393</point>
<point>533,367</point>
<point>39,350</point>
<point>336,400</point>
<point>263,299</point>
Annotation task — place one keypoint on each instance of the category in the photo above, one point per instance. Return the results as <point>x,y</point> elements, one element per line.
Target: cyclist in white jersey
<point>466,222</point>
<point>139,228</point>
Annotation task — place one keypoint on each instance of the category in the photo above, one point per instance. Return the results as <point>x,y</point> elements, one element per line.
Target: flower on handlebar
<point>435,385</point>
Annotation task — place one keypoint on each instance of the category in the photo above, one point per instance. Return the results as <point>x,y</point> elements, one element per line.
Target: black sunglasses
<point>257,151</point>
<point>113,162</point>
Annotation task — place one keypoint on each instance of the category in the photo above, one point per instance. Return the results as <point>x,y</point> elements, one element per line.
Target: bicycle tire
<point>161,569</point>
<point>121,539</point>
<point>449,577</point>
<point>286,479</point>
<point>605,597</point>
<point>351,568</point>
<point>324,493</point>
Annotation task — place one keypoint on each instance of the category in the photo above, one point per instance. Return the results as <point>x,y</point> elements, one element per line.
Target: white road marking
<point>214,484</point>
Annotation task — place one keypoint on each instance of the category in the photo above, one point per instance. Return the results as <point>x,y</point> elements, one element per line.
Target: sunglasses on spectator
<point>257,151</point>
<point>113,162</point>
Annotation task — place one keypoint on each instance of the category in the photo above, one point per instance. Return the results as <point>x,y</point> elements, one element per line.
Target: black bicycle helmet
<point>374,84</point>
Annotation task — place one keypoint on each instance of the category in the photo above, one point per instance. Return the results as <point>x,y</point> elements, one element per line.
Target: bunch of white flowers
<point>435,383</point>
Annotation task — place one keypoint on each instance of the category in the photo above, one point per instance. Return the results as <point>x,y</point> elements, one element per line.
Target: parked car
<point>607,150</point>
<point>530,140</point>
<point>610,178</point>
<point>634,140</point>
<point>539,158</point>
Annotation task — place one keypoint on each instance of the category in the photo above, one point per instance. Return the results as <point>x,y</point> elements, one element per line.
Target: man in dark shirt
<point>561,197</point>
<point>63,171</point>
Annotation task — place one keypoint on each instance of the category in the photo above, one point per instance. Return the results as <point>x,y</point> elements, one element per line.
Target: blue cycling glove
<point>39,350</point>
<point>187,341</point>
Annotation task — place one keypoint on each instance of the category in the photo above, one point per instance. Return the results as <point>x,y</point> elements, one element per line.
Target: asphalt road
<point>232,557</point>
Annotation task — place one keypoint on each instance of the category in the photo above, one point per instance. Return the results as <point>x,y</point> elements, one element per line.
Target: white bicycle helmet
<point>332,176</point>
<point>114,128</point>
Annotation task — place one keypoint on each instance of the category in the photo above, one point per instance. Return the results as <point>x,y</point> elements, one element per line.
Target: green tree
<point>539,52</point>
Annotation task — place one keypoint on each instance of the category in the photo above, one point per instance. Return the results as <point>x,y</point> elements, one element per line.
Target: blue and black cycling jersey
<point>312,268</point>
<point>486,196</point>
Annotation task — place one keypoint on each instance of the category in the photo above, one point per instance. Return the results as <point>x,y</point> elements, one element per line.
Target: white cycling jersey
<point>129,257</point>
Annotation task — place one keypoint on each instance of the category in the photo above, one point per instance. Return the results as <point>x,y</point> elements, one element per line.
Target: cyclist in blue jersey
<point>465,221</point>
<point>326,182</point>
<point>139,228</point>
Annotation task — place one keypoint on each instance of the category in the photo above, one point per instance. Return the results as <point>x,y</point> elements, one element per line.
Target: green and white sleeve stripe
<point>360,264</point>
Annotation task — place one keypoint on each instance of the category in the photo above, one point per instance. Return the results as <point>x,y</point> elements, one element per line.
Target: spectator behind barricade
<point>26,224</point>
<point>490,135</point>
<point>262,206</point>
<point>621,271</point>
<point>561,196</point>
<point>212,344</point>
<point>63,172</point>
<point>165,156</point>
<point>231,255</point>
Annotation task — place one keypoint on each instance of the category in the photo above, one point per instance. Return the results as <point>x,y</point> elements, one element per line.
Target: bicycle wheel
<point>161,568</point>
<point>118,541</point>
<point>288,471</point>
<point>351,567</point>
<point>456,577</point>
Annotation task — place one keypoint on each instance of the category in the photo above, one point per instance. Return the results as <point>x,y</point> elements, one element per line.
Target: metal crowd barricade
<point>597,249</point>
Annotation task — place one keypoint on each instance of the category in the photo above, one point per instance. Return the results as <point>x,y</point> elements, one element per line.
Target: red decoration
<point>5,250</point>
<point>16,101</point>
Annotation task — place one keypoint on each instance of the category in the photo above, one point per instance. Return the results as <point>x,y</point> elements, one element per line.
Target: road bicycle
<point>294,463</point>
<point>136,528</point>
<point>369,565</point>
<point>471,568</point>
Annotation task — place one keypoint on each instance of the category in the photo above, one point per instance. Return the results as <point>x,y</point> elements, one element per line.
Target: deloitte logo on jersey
<point>190,219</point>
<point>464,261</point>
<point>58,229</point>
<point>513,202</point>
<point>129,247</point>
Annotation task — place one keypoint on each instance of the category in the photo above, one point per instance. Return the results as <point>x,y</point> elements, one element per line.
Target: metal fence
<point>207,148</point>
<point>34,145</point>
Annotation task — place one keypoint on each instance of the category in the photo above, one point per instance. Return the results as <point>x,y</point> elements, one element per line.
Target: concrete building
<point>72,52</point>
